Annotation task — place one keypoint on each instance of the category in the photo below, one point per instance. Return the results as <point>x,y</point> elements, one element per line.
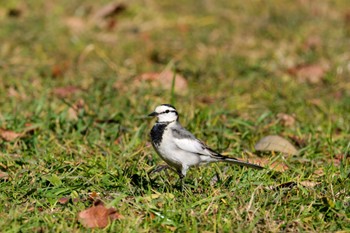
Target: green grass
<point>235,58</point>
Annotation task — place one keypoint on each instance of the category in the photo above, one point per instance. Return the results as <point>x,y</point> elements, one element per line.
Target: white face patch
<point>166,113</point>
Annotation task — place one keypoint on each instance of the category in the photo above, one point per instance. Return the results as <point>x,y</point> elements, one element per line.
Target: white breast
<point>173,155</point>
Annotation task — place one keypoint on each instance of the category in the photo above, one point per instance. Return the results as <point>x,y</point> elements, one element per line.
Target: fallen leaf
<point>93,195</point>
<point>347,17</point>
<point>286,120</point>
<point>164,80</point>
<point>9,135</point>
<point>59,69</point>
<point>103,17</point>
<point>98,216</point>
<point>118,140</point>
<point>170,228</point>
<point>309,184</point>
<point>309,73</point>
<point>312,42</point>
<point>63,92</point>
<point>316,102</point>
<point>338,158</point>
<point>277,144</point>
<point>4,175</point>
<point>319,172</point>
<point>75,109</point>
<point>12,92</point>
<point>63,200</point>
<point>72,114</point>
<point>111,9</point>
<point>75,24</point>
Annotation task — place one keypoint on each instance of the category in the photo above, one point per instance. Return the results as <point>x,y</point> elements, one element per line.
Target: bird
<point>179,148</point>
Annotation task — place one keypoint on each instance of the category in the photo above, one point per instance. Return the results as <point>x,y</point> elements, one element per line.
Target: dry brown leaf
<point>277,144</point>
<point>347,17</point>
<point>338,158</point>
<point>164,80</point>
<point>118,140</point>
<point>109,10</point>
<point>73,111</point>
<point>59,69</point>
<point>63,200</point>
<point>319,172</point>
<point>103,17</point>
<point>9,135</point>
<point>309,184</point>
<point>75,24</point>
<point>72,114</point>
<point>286,120</point>
<point>63,92</point>
<point>12,92</point>
<point>309,73</point>
<point>98,216</point>
<point>313,42</point>
<point>316,102</point>
<point>93,196</point>
<point>4,175</point>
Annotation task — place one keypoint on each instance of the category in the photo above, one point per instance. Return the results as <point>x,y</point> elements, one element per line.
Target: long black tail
<point>241,163</point>
<point>222,158</point>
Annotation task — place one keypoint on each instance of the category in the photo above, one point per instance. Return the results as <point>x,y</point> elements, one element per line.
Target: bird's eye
<point>167,111</point>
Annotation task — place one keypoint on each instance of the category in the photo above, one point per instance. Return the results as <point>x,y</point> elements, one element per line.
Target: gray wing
<point>188,142</point>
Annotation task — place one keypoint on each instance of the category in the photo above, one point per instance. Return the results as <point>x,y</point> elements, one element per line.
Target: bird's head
<point>165,113</point>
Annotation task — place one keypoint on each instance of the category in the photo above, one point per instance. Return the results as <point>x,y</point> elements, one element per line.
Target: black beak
<point>153,114</point>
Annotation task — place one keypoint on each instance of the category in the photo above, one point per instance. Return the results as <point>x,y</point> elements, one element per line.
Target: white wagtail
<point>179,148</point>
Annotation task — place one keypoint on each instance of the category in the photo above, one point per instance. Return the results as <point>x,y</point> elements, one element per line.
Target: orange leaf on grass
<point>59,69</point>
<point>4,175</point>
<point>98,216</point>
<point>65,91</point>
<point>75,24</point>
<point>9,135</point>
<point>63,200</point>
<point>313,73</point>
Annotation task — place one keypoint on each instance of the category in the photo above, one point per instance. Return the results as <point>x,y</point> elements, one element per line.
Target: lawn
<point>78,78</point>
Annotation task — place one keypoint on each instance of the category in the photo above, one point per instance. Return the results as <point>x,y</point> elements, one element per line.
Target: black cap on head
<point>169,105</point>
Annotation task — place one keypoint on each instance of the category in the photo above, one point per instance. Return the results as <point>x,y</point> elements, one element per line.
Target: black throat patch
<point>157,133</point>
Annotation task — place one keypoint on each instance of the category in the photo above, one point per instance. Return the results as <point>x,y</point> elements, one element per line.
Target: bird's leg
<point>182,174</point>
<point>180,181</point>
